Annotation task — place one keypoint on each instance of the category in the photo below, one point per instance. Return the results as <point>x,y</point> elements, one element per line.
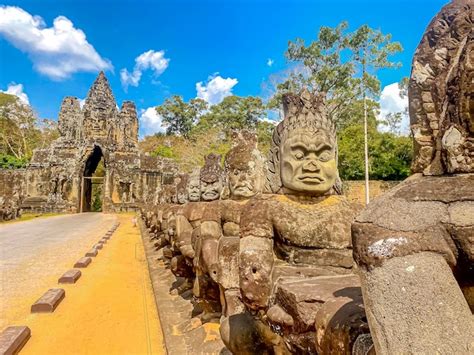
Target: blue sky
<point>168,47</point>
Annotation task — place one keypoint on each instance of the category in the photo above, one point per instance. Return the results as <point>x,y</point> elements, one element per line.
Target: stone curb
<point>92,253</point>
<point>159,289</point>
<point>70,277</point>
<point>83,262</point>
<point>175,312</point>
<point>13,338</point>
<point>49,301</point>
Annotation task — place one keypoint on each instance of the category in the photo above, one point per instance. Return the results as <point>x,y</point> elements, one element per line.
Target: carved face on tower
<point>304,153</point>
<point>244,166</point>
<point>211,178</point>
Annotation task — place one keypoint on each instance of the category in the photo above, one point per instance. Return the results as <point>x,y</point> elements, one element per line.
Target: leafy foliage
<point>21,132</point>
<point>11,162</point>
<point>390,156</point>
<point>234,112</point>
<point>341,64</point>
<point>178,116</point>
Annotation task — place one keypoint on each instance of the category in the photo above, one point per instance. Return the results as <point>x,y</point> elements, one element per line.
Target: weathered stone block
<point>338,324</point>
<point>92,253</point>
<point>49,301</point>
<point>302,298</point>
<point>70,277</point>
<point>83,262</point>
<point>12,339</point>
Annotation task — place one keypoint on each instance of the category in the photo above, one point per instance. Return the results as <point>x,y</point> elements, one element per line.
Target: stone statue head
<point>303,156</point>
<point>182,189</point>
<point>244,166</point>
<point>441,93</point>
<point>194,186</point>
<point>211,178</point>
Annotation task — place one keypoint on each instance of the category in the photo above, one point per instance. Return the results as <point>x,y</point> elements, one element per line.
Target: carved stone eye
<point>299,155</point>
<point>325,156</point>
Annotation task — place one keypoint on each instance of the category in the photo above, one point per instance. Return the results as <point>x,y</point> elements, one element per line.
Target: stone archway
<point>88,180</point>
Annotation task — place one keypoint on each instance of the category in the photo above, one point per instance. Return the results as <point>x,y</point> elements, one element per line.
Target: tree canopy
<point>21,132</point>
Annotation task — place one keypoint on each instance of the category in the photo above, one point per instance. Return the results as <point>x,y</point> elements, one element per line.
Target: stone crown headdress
<point>195,174</point>
<point>301,111</point>
<point>244,150</point>
<point>307,111</point>
<point>212,170</point>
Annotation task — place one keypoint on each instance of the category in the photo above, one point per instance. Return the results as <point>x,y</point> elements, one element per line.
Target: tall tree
<point>179,116</point>
<point>371,50</point>
<point>234,112</point>
<point>323,68</point>
<point>21,132</point>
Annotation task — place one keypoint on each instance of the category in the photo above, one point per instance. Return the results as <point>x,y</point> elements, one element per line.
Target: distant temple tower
<point>60,178</point>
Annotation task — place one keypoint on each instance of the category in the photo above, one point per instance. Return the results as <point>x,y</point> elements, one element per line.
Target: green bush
<point>10,162</point>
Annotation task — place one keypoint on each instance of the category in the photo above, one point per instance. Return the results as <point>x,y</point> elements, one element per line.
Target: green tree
<point>324,68</point>
<point>264,136</point>
<point>21,132</point>
<point>178,116</point>
<point>371,50</point>
<point>390,157</point>
<point>393,121</point>
<point>234,112</point>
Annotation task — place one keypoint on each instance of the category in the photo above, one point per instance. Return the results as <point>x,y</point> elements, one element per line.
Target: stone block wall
<point>12,191</point>
<point>354,190</point>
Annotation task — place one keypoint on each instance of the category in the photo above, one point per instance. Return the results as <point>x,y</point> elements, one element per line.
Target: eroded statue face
<point>182,197</point>
<point>194,190</point>
<point>211,190</point>
<point>308,163</point>
<point>243,183</point>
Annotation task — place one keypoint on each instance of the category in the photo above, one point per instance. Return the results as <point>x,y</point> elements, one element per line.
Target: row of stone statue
<point>275,250</point>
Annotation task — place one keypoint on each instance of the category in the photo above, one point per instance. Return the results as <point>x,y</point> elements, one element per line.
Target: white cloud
<point>57,51</point>
<point>82,102</point>
<point>154,60</point>
<point>150,122</point>
<point>391,102</point>
<point>17,90</point>
<point>270,62</point>
<point>215,89</point>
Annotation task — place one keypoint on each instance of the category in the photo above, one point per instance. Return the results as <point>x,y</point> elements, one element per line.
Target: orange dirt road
<point>110,310</point>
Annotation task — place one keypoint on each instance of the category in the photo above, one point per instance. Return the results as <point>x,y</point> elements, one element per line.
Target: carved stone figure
<point>211,178</point>
<point>212,181</point>
<point>189,217</point>
<point>415,244</point>
<point>182,189</point>
<point>300,232</point>
<point>244,169</point>
<point>205,184</point>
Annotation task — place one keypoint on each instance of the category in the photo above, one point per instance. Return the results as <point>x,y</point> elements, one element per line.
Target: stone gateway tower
<point>60,178</point>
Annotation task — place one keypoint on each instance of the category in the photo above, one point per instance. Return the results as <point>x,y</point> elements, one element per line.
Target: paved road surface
<point>35,253</point>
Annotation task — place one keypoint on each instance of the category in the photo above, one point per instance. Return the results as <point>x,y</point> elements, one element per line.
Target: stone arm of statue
<point>211,231</point>
<point>184,231</point>
<point>407,244</point>
<point>256,254</point>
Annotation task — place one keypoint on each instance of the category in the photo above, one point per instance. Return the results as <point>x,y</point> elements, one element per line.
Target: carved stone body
<point>415,244</point>
<point>295,245</point>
